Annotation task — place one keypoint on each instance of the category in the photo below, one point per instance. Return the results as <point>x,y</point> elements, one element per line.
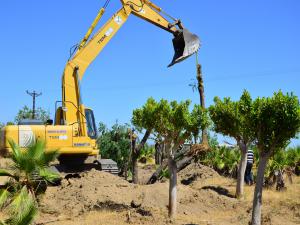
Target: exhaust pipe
<point>185,44</point>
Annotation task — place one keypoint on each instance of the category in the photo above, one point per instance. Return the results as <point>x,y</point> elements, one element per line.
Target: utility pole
<point>33,95</point>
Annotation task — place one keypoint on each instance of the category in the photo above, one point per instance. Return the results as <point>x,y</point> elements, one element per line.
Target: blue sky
<point>251,45</point>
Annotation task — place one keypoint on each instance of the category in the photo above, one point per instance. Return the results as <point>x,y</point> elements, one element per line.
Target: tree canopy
<point>177,122</point>
<point>275,120</point>
<point>233,118</point>
<point>26,113</point>
<point>146,116</point>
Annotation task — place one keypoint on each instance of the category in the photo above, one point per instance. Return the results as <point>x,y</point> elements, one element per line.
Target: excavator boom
<point>185,44</point>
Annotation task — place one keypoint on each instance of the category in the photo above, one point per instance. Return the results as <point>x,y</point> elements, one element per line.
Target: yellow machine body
<point>57,137</point>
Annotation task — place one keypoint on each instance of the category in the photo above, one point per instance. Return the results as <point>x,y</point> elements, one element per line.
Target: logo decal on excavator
<point>82,144</point>
<point>107,33</point>
<point>118,20</point>
<point>26,136</point>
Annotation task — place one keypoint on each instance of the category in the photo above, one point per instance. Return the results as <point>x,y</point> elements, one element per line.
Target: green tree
<point>275,120</point>
<point>1,125</point>
<point>233,118</point>
<point>147,153</point>
<point>114,144</point>
<point>293,159</point>
<point>176,124</point>
<point>28,172</point>
<point>143,119</point>
<point>26,113</point>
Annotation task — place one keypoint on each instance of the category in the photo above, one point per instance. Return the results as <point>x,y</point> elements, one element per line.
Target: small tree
<point>29,170</point>
<point>26,113</point>
<point>233,119</point>
<point>275,120</point>
<point>175,125</point>
<point>293,159</point>
<point>143,118</point>
<point>114,144</point>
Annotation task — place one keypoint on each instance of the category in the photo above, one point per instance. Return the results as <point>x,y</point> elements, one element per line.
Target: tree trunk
<point>163,153</point>
<point>257,199</point>
<point>135,155</point>
<point>202,100</point>
<point>135,177</point>
<point>241,172</point>
<point>172,187</point>
<point>155,176</point>
<point>184,162</point>
<point>181,160</point>
<point>126,171</point>
<point>158,153</point>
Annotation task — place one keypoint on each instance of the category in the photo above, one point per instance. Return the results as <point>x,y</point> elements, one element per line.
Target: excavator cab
<point>185,44</point>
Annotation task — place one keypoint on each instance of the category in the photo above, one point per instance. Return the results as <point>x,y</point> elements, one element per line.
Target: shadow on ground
<point>219,190</point>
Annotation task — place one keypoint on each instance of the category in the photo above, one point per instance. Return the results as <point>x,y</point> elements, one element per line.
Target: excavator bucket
<point>185,44</point>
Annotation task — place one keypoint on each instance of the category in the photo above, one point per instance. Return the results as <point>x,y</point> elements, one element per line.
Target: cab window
<point>91,126</point>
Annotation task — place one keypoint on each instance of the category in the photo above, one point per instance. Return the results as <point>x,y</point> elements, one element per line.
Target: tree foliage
<point>20,205</point>
<point>114,143</point>
<point>223,159</point>
<point>146,116</point>
<point>293,159</point>
<point>147,153</point>
<point>275,120</point>
<point>178,123</point>
<point>30,164</point>
<point>233,118</point>
<point>28,172</point>
<point>26,113</point>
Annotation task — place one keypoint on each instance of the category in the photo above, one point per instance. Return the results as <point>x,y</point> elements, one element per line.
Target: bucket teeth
<point>185,44</point>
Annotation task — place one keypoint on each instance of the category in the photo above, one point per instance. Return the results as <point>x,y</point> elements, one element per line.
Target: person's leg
<point>250,174</point>
<point>247,174</point>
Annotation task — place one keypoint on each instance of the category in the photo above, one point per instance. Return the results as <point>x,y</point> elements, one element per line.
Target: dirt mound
<point>100,191</point>
<point>196,172</point>
<point>96,197</point>
<point>86,190</point>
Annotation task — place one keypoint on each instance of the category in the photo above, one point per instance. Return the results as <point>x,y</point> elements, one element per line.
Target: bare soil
<point>204,197</point>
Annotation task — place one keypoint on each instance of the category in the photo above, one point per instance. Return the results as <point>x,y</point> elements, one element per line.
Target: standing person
<point>248,172</point>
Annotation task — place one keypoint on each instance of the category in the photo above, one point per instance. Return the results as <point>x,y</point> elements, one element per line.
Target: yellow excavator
<point>74,132</point>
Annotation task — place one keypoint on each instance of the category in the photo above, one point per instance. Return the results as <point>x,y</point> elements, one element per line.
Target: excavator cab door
<point>185,44</point>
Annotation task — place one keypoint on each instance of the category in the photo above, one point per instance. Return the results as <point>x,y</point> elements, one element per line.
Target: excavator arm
<point>73,111</point>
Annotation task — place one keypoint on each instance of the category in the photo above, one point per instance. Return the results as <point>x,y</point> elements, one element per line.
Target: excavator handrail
<point>72,104</point>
